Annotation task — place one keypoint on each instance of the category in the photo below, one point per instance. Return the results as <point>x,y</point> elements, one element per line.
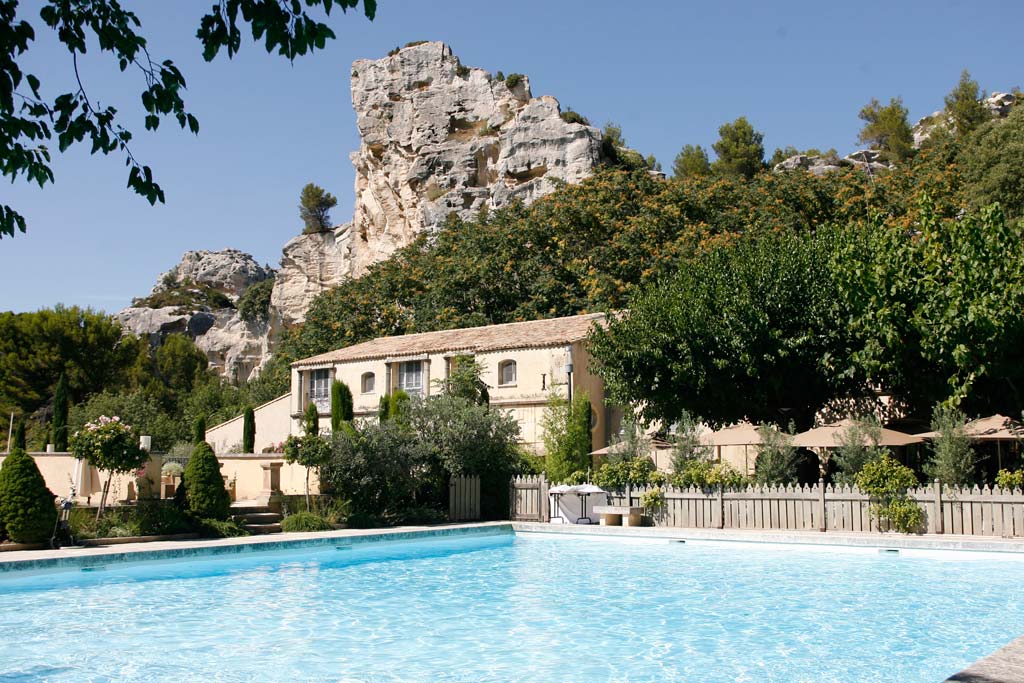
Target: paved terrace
<point>1006,665</point>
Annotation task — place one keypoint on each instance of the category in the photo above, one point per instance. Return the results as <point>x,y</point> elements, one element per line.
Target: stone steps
<point>256,519</point>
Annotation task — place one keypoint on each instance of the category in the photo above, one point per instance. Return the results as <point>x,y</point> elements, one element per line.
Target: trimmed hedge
<point>27,511</point>
<point>204,485</point>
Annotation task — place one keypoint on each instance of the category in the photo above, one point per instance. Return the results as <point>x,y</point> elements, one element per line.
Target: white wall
<point>272,427</point>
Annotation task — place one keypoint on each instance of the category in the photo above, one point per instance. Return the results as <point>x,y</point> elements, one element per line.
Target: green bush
<point>334,509</point>
<point>1010,480</point>
<point>512,80</point>
<point>570,116</point>
<point>204,485</point>
<point>216,528</point>
<point>157,517</point>
<point>27,512</point>
<point>254,304</point>
<point>614,476</point>
<point>305,521</point>
<point>366,520</point>
<point>706,474</point>
<point>415,516</point>
<point>887,481</point>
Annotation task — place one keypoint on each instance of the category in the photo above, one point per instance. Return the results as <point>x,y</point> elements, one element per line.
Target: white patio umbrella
<point>584,491</point>
<point>557,492</point>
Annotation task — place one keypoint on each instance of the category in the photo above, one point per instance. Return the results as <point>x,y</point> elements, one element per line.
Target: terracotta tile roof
<point>534,333</point>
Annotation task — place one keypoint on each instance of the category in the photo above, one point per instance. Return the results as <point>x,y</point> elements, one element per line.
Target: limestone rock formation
<point>235,347</point>
<point>310,264</point>
<point>229,271</point>
<point>1000,103</point>
<point>867,160</point>
<point>439,138</point>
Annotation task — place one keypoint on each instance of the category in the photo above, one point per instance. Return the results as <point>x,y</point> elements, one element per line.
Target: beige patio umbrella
<point>828,436</point>
<point>740,434</point>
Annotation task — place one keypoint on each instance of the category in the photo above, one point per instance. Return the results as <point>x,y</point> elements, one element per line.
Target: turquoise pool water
<point>526,608</point>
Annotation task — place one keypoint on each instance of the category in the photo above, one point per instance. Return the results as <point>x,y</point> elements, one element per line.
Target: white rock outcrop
<point>439,138</point>
<point>310,264</point>
<point>231,271</point>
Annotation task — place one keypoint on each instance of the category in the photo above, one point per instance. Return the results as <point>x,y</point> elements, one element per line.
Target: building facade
<point>523,364</point>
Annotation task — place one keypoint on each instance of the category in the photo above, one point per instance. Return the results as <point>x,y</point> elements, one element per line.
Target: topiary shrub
<point>305,521</point>
<point>27,512</point>
<point>204,485</point>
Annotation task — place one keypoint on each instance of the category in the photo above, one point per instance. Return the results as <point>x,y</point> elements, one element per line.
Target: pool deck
<point>1006,665</point>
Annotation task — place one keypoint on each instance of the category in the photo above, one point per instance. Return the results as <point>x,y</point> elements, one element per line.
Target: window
<point>368,382</point>
<point>410,376</point>
<point>319,389</point>
<point>506,372</point>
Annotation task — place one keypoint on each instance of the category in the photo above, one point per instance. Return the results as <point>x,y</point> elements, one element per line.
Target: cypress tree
<point>60,415</point>
<point>199,430</point>
<point>341,404</point>
<point>19,436</point>
<point>204,485</point>
<point>27,511</point>
<point>384,407</point>
<point>311,421</point>
<point>248,430</point>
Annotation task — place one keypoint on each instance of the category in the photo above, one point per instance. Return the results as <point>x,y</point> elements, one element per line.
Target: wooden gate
<point>464,499</point>
<point>528,499</point>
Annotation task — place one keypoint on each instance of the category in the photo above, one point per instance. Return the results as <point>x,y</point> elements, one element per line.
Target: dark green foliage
<point>691,161</point>
<point>953,459</point>
<point>745,332</point>
<point>512,80</point>
<point>186,297</point>
<point>464,381</point>
<point>740,149</point>
<point>315,206</point>
<point>311,420</point>
<point>27,511</point>
<point>248,430</point>
<point>180,363</point>
<point>304,521</point>
<point>60,415</point>
<point>157,517</point>
<point>29,120</point>
<point>887,481</point>
<point>991,163</point>
<point>204,485</point>
<point>617,155</point>
<point>964,106</point>
<point>341,404</point>
<point>462,71</point>
<point>199,430</point>
<point>567,436</point>
<point>887,129</point>
<point>254,304</point>
<point>384,407</point>
<point>19,436</point>
<point>219,528</point>
<point>570,116</point>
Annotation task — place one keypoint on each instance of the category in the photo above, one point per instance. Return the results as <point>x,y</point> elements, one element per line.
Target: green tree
<point>199,430</point>
<point>60,415</point>
<point>740,149</point>
<point>886,129</point>
<point>315,204</point>
<point>747,332</point>
<point>858,445</point>
<point>181,364</point>
<point>111,446</point>
<point>568,441</point>
<point>776,461</point>
<point>691,160</point>
<point>990,161</point>
<point>249,430</point>
<point>687,446</point>
<point>311,450</point>
<point>19,435</point>
<point>204,485</point>
<point>311,420</point>
<point>464,380</point>
<point>138,408</point>
<point>618,155</point>
<point>254,304</point>
<point>341,404</point>
<point>28,119</point>
<point>27,512</point>
<point>964,106</point>
<point>953,459</point>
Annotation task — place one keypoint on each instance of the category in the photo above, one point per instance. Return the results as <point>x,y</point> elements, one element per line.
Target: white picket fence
<point>821,507</point>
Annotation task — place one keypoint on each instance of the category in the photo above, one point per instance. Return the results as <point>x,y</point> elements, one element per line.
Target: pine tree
<point>963,104</point>
<point>315,205</point>
<point>248,430</point>
<point>691,161</point>
<point>27,511</point>
<point>60,415</point>
<point>886,129</point>
<point>341,405</point>
<point>740,149</point>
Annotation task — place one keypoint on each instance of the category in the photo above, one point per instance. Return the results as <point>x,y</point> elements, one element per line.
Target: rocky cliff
<point>198,298</point>
<point>436,138</point>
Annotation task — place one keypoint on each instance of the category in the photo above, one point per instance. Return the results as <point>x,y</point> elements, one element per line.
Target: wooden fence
<point>464,499</point>
<point>528,499</point>
<point>821,507</point>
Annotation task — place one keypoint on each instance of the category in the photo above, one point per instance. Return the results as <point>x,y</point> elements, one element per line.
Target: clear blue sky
<point>668,72</point>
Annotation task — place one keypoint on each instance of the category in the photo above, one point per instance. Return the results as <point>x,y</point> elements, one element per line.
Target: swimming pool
<point>527,607</point>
